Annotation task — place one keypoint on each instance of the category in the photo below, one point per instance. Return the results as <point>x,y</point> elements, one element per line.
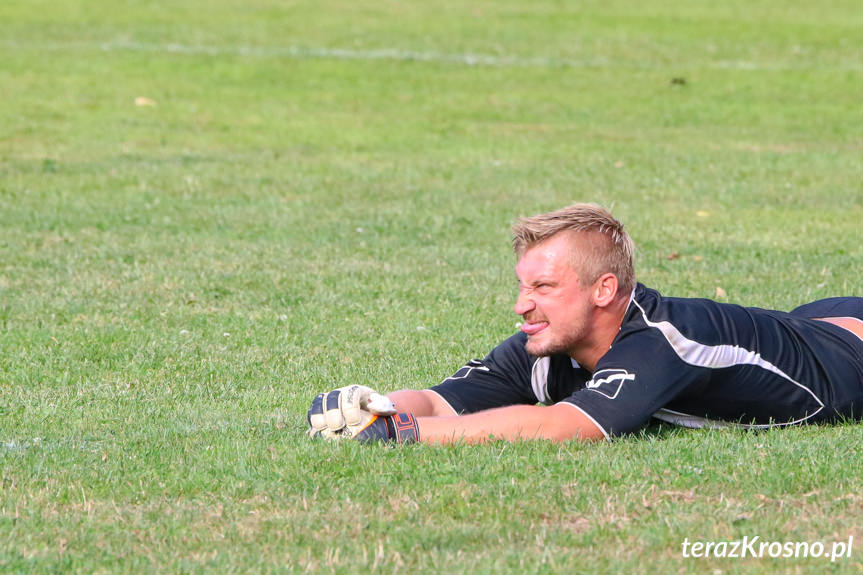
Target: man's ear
<point>605,290</point>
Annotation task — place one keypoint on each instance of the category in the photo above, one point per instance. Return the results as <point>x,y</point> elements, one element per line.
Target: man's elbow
<point>570,423</point>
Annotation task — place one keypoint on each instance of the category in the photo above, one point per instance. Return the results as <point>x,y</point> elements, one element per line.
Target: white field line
<point>393,54</point>
<point>398,55</point>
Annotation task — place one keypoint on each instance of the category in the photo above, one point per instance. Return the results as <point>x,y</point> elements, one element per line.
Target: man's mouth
<point>533,327</point>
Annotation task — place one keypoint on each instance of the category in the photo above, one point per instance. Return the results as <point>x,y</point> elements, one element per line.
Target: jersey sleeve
<point>502,378</point>
<point>632,381</point>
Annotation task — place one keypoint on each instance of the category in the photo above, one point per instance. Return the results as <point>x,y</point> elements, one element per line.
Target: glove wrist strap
<point>403,428</point>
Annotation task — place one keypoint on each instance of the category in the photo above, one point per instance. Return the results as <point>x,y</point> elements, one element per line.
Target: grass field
<point>209,212</point>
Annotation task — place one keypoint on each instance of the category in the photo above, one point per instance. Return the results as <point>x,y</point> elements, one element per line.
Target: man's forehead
<point>549,257</point>
<point>559,246</point>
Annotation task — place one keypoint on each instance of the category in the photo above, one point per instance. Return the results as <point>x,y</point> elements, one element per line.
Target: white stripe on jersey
<point>539,379</point>
<point>718,356</point>
<point>697,422</point>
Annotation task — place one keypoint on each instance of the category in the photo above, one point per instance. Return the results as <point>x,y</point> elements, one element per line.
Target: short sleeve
<point>638,376</point>
<point>502,378</point>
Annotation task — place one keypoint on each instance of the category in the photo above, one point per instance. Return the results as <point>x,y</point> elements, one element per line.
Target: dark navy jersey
<point>692,362</point>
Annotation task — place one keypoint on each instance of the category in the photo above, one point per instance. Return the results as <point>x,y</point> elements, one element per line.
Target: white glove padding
<point>346,410</point>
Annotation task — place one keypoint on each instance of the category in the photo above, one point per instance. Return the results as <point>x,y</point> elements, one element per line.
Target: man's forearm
<point>557,423</point>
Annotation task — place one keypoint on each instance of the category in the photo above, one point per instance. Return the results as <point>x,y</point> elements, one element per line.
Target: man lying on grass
<point>605,354</point>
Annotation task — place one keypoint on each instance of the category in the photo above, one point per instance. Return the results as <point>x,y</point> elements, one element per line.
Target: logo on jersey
<point>465,370</point>
<point>608,382</point>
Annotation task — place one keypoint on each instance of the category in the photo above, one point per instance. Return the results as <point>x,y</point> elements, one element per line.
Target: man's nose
<point>523,302</point>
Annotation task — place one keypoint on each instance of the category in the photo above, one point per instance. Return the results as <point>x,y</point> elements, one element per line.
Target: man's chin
<point>538,349</point>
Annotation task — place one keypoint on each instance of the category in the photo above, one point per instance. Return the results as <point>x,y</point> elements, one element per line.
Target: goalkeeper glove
<point>346,408</point>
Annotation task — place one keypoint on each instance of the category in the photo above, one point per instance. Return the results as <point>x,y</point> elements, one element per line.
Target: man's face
<point>555,307</point>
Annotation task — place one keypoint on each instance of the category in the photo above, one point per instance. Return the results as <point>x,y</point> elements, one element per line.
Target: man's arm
<point>558,422</point>
<point>502,378</point>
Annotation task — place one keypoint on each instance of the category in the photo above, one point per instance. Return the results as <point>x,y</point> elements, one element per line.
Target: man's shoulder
<point>647,303</point>
<point>701,319</point>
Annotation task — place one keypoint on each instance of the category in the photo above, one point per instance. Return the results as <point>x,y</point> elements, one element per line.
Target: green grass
<point>316,194</point>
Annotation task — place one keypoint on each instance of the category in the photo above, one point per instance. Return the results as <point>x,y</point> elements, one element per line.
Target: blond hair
<point>602,245</point>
